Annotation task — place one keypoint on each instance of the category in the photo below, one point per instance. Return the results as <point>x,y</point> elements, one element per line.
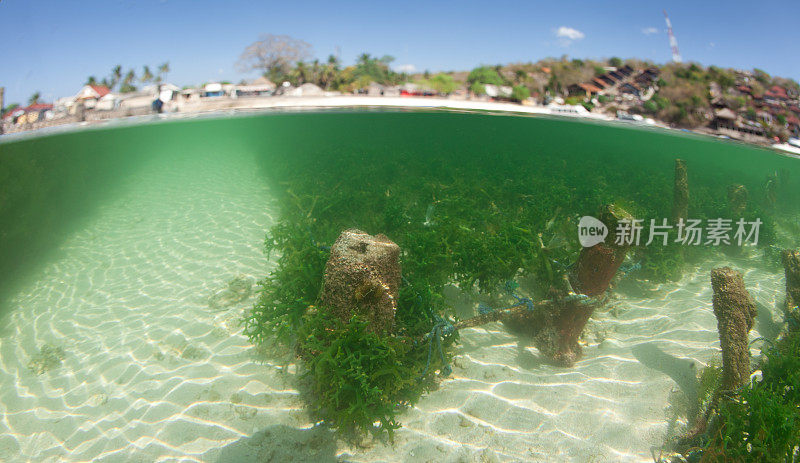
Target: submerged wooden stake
<point>735,311</point>
<point>556,324</point>
<point>791,266</point>
<point>680,202</point>
<point>597,265</point>
<point>362,276</point>
<point>556,327</point>
<point>518,310</point>
<point>737,200</point>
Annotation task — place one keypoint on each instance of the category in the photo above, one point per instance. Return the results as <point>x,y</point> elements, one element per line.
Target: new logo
<point>591,231</point>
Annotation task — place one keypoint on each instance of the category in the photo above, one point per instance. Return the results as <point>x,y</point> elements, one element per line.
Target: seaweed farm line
<point>126,344</point>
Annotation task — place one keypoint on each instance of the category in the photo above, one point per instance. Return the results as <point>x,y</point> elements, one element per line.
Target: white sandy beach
<point>214,107</point>
<point>150,372</point>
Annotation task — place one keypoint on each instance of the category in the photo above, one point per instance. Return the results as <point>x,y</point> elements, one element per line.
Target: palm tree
<point>34,99</point>
<point>92,80</point>
<point>147,76</point>
<point>364,59</point>
<point>163,70</point>
<point>116,76</point>
<point>300,73</point>
<point>128,81</point>
<point>330,74</point>
<point>315,72</point>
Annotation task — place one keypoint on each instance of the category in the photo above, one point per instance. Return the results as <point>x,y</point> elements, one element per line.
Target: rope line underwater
<point>443,327</point>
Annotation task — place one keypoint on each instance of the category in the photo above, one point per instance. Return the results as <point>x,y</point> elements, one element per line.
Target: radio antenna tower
<point>673,42</point>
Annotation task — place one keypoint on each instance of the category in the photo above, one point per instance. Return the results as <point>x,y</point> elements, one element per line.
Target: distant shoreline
<point>217,106</point>
<point>212,107</point>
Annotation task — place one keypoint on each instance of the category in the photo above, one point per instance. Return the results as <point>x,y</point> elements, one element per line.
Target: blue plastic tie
<point>483,309</point>
<point>524,300</point>
<point>440,329</point>
<point>627,268</point>
<point>314,242</point>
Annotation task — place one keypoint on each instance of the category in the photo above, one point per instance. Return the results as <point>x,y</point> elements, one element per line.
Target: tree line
<point>126,82</point>
<point>281,58</point>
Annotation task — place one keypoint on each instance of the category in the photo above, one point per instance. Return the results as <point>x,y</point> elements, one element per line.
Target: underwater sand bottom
<point>150,372</point>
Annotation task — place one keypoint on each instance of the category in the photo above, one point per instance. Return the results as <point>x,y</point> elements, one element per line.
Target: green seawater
<point>113,240</point>
<point>50,183</point>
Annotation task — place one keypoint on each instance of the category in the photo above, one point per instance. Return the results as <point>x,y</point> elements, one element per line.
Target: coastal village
<point>749,106</point>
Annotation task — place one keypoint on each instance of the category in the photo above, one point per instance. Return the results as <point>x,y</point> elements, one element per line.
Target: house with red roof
<point>599,83</point>
<point>91,94</point>
<point>588,90</point>
<point>12,115</point>
<point>624,80</point>
<point>777,93</point>
<point>31,113</point>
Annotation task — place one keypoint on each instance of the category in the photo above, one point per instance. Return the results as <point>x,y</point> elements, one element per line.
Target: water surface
<point>114,239</point>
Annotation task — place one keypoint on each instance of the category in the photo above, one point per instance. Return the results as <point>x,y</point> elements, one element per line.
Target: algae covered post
<point>598,264</point>
<point>557,325</point>
<point>749,418</point>
<point>591,276</point>
<point>737,199</point>
<point>680,204</point>
<point>735,311</point>
<point>362,276</point>
<point>791,303</point>
<point>791,265</point>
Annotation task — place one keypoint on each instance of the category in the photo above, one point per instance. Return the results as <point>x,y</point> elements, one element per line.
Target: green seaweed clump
<point>291,288</point>
<point>707,385</point>
<point>762,421</point>
<point>356,378</point>
<point>48,358</point>
<point>352,378</point>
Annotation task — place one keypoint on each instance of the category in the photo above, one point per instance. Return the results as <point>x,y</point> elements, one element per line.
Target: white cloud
<point>567,35</point>
<point>407,68</point>
<point>650,30</point>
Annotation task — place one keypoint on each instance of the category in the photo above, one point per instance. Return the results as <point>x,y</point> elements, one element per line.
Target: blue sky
<point>53,45</point>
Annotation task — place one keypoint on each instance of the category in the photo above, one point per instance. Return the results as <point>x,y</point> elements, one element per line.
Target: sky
<point>52,46</point>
